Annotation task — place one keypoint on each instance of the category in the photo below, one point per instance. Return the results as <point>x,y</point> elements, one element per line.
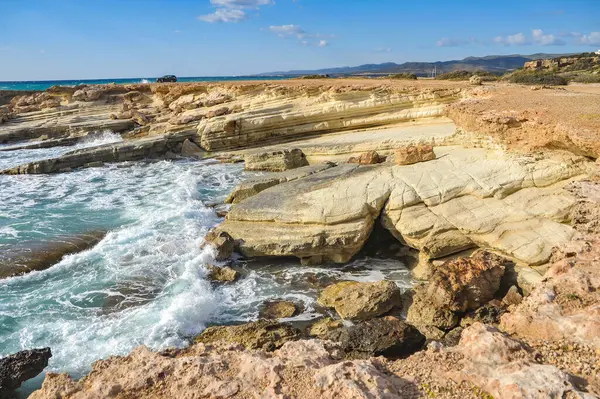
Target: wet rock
<point>386,336</point>
<point>367,158</point>
<point>21,366</point>
<point>278,310</point>
<point>276,161</point>
<point>413,154</point>
<point>222,242</point>
<point>263,334</point>
<point>40,256</point>
<point>190,150</point>
<point>359,301</point>
<point>222,274</point>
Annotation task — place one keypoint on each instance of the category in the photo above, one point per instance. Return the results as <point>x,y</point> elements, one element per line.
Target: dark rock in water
<point>40,256</point>
<point>386,336</point>
<point>263,334</point>
<point>21,366</point>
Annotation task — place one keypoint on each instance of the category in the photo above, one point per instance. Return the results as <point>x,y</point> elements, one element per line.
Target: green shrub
<point>403,75</point>
<point>455,75</point>
<point>315,77</point>
<point>583,77</point>
<point>536,78</point>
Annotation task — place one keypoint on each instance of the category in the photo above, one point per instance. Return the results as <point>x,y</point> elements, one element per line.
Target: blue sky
<point>76,39</point>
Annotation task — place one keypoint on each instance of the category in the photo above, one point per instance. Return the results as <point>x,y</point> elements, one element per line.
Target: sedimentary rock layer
<point>463,199</point>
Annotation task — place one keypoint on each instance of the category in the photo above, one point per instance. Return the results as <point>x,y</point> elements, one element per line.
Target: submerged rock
<point>359,301</point>
<point>276,161</point>
<point>263,334</point>
<point>20,367</point>
<point>40,256</point>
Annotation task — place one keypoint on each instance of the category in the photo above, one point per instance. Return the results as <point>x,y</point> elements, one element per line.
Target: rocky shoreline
<point>496,208</point>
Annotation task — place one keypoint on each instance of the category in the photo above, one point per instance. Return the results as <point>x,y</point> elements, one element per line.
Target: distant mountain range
<point>491,63</point>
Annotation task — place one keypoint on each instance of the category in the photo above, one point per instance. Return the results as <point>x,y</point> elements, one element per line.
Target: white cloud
<point>241,3</point>
<point>288,30</point>
<point>232,10</point>
<point>224,15</point>
<point>291,31</point>
<point>447,42</point>
<point>539,37</point>
<point>593,39</point>
<point>518,39</point>
<point>383,50</point>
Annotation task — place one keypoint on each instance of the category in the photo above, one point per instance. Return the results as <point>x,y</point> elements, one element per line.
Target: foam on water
<point>9,159</point>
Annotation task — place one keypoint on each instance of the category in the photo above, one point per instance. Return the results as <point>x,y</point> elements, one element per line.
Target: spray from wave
<point>144,81</point>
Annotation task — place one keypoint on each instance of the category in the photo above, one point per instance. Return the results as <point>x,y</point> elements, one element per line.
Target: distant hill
<point>491,63</point>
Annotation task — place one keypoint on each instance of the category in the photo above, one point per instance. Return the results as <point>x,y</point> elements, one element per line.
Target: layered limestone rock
<point>263,334</point>
<point>463,199</point>
<point>278,113</point>
<point>254,186</point>
<point>134,150</point>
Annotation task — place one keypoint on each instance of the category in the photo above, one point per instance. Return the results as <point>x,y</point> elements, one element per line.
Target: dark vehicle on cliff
<point>167,79</point>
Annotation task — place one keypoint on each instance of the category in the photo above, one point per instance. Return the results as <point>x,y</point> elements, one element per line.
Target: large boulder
<point>360,301</point>
<point>189,149</point>
<point>463,199</point>
<point>263,334</point>
<point>21,366</point>
<point>455,287</point>
<point>276,161</point>
<point>386,336</point>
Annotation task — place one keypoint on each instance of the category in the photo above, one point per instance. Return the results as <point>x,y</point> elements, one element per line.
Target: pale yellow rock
<point>512,204</point>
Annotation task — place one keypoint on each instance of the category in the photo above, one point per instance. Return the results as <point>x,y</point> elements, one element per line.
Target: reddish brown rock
<point>367,158</point>
<point>413,154</point>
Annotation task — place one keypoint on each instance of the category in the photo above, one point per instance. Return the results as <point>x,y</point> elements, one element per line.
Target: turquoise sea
<point>44,84</point>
